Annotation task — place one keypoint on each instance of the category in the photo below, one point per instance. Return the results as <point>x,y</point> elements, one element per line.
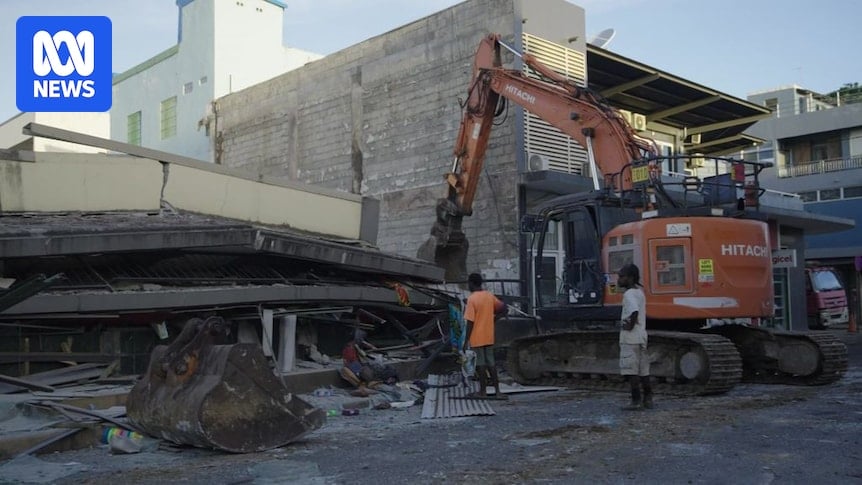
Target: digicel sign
<point>784,258</point>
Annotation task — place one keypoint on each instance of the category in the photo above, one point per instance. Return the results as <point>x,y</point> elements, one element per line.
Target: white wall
<point>96,124</point>
<point>243,60</point>
<point>232,44</point>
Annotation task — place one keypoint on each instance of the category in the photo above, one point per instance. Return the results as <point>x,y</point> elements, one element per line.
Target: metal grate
<point>193,269</point>
<point>540,138</point>
<point>176,271</point>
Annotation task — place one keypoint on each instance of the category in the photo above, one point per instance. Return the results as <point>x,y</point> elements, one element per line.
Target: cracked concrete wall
<point>56,182</point>
<point>380,119</point>
<point>80,183</point>
<point>204,192</point>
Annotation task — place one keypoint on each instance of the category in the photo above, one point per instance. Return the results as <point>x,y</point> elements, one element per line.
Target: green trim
<point>146,64</point>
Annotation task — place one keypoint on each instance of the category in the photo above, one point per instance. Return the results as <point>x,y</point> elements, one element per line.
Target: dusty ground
<point>754,434</point>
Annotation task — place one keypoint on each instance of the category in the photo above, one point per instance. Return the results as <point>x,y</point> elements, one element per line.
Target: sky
<point>734,46</point>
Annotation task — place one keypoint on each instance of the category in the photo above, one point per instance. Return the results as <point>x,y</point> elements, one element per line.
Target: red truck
<point>827,299</point>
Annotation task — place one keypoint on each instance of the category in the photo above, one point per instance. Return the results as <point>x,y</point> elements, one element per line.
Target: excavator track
<point>769,357</point>
<point>681,363</point>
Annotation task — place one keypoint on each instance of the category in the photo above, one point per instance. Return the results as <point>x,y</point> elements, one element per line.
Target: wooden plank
<point>50,441</point>
<point>33,386</point>
<point>7,357</point>
<point>63,375</point>
<point>87,412</point>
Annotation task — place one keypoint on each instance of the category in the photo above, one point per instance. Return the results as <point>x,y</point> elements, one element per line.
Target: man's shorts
<point>634,360</point>
<point>485,355</point>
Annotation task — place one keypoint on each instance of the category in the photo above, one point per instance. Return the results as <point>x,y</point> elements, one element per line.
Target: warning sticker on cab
<point>678,230</point>
<point>705,266</point>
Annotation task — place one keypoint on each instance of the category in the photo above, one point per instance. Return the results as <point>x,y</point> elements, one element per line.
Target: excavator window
<point>548,263</point>
<point>582,277</point>
<point>670,263</point>
<point>619,258</point>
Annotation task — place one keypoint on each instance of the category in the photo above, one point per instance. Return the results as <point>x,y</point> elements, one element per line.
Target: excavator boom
<point>575,111</point>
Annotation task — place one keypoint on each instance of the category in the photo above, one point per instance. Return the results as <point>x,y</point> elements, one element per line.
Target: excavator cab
<point>570,276</point>
<point>567,263</point>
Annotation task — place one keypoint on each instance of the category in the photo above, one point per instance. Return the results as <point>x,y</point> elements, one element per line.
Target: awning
<point>810,222</point>
<point>719,119</point>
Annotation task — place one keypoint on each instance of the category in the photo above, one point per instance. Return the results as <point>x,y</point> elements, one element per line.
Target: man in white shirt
<point>634,360</point>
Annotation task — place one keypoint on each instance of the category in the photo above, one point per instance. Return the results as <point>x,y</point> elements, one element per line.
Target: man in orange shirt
<point>482,307</point>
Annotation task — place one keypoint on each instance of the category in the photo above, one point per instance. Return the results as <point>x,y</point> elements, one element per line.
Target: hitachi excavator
<point>701,244</point>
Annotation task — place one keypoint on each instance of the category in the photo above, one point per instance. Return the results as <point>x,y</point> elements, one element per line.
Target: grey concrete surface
<point>755,434</point>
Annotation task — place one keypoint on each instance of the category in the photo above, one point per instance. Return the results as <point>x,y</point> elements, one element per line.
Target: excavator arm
<point>611,144</point>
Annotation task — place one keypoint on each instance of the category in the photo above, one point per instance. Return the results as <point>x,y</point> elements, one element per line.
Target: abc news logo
<point>63,64</point>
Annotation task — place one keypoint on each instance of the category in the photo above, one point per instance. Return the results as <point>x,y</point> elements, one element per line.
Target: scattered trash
<point>350,412</point>
<point>324,392</point>
<point>108,434</point>
<point>124,445</point>
<point>332,412</point>
<point>123,441</point>
<point>317,357</point>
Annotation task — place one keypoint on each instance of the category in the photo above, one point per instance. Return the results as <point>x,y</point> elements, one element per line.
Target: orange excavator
<point>702,245</point>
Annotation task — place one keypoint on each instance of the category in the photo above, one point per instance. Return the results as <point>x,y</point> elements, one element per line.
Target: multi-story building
<point>222,46</point>
<point>815,144</point>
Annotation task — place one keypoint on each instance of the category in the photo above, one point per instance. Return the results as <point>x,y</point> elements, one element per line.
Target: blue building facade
<point>815,144</point>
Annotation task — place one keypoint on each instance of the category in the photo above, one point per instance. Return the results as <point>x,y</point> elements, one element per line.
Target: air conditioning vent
<point>697,160</point>
<point>638,122</point>
<point>627,115</point>
<point>537,162</point>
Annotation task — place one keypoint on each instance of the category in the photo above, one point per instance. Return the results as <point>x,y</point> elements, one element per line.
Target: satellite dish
<point>603,38</point>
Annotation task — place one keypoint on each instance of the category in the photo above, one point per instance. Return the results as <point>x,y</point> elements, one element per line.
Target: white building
<point>12,138</point>
<point>223,46</point>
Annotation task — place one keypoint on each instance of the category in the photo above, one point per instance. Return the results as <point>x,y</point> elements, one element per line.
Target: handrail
<point>820,166</point>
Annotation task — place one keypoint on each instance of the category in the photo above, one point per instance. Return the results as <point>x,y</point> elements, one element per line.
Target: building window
<point>766,152</point>
<point>202,80</point>
<point>808,196</point>
<point>133,128</point>
<point>853,192</point>
<point>169,118</point>
<point>772,104</point>
<point>830,194</point>
<point>819,152</point>
<point>187,87</point>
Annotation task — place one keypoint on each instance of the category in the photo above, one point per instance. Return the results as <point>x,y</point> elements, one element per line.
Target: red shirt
<point>349,354</point>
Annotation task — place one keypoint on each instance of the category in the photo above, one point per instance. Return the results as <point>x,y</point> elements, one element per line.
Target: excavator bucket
<point>450,255</point>
<point>447,247</point>
<point>217,396</point>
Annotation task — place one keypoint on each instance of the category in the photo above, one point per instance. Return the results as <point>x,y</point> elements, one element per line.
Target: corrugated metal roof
<point>444,398</point>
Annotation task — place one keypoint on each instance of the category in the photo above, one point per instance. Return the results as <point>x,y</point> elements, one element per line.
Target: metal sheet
<point>444,398</point>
